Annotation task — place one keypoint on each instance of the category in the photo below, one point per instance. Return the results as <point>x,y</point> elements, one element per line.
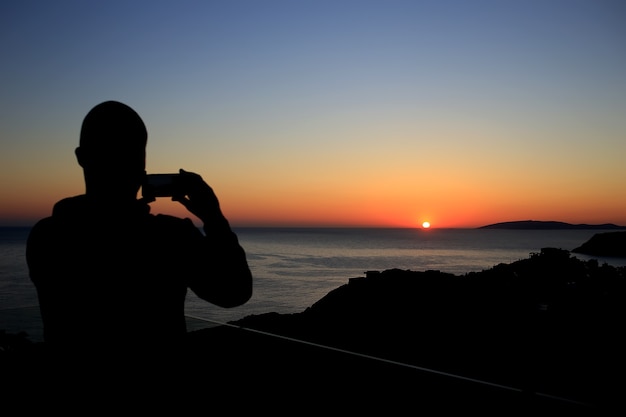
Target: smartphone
<point>161,185</point>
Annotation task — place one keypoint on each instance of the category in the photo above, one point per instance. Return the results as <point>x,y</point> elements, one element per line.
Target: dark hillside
<point>550,323</point>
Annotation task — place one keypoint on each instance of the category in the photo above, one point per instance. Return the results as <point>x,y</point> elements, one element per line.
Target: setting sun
<point>426,225</point>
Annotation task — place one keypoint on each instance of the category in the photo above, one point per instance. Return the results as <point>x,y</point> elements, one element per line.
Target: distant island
<point>550,225</point>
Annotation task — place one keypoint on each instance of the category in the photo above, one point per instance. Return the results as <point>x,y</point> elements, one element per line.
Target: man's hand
<point>199,197</point>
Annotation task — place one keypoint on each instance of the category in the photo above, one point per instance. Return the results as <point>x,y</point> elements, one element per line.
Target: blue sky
<point>281,104</point>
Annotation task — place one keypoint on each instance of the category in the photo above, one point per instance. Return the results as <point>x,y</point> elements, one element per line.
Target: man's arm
<point>230,284</point>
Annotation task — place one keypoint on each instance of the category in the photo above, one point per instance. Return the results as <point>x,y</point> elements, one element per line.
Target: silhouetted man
<point>112,276</point>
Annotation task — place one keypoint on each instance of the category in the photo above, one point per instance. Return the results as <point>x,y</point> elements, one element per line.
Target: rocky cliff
<point>611,244</point>
<point>550,323</point>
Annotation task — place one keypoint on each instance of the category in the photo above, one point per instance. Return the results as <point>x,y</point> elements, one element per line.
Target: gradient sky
<point>330,113</point>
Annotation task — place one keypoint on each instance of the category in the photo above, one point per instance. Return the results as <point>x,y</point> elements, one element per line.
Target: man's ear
<point>80,156</point>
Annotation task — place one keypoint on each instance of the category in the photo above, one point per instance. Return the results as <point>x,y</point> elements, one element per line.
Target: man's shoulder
<point>60,209</point>
<point>41,224</point>
<point>69,205</point>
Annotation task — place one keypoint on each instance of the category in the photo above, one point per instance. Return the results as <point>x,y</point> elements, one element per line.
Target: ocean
<point>295,267</point>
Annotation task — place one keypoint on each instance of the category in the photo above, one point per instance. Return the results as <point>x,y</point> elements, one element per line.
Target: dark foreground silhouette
<point>550,324</point>
<point>109,274</point>
<point>540,334</point>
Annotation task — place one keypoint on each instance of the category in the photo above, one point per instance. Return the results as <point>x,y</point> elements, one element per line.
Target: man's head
<point>112,151</point>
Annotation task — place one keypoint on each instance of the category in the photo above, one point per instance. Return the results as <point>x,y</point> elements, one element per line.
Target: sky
<point>329,113</point>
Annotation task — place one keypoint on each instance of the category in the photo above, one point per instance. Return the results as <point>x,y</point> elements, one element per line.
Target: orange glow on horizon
<point>358,207</point>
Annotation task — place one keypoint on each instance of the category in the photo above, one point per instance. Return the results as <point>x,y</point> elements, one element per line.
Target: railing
<point>27,322</point>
